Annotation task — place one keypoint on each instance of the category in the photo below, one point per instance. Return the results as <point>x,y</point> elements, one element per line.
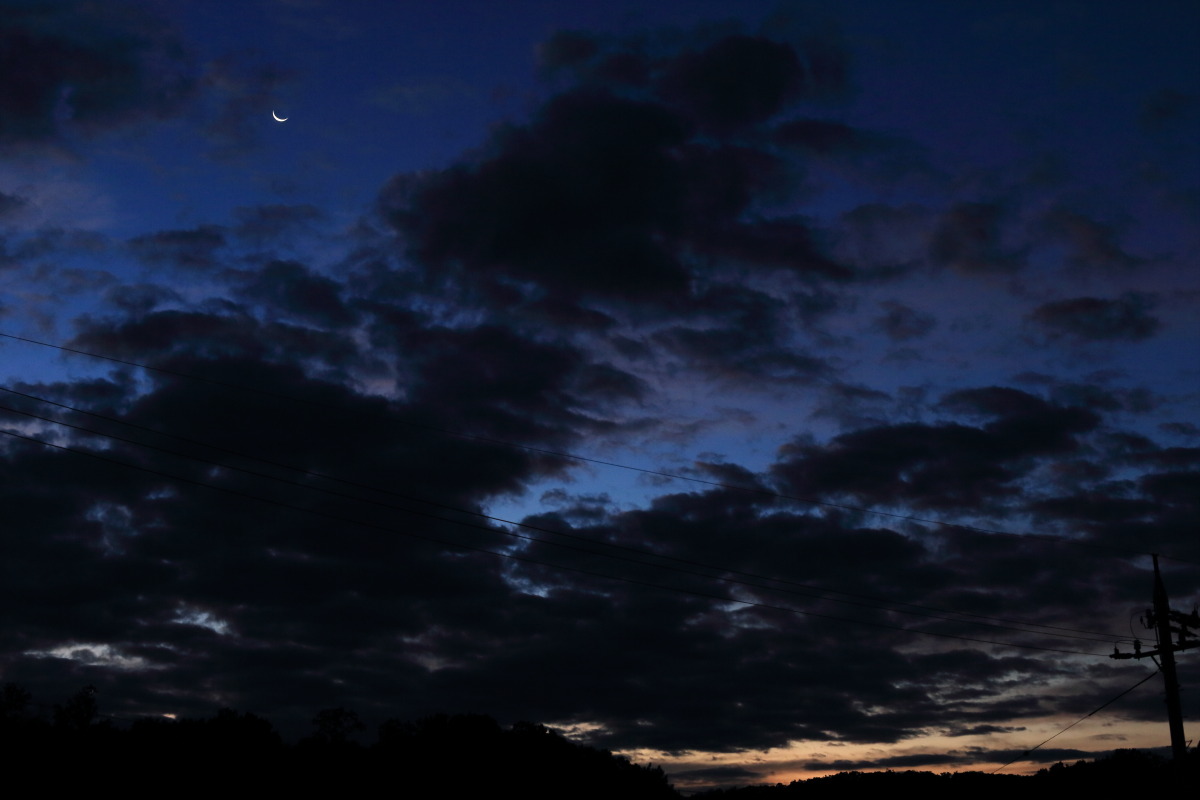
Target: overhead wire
<point>1076,722</point>
<point>587,459</point>
<point>527,559</point>
<point>821,592</point>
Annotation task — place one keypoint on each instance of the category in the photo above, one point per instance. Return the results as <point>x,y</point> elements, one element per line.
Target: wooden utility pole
<point>1160,618</point>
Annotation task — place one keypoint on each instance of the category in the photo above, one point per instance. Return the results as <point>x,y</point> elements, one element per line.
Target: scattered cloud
<point>1090,319</point>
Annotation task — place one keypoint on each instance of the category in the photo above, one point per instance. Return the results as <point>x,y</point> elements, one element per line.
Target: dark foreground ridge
<point>464,755</point>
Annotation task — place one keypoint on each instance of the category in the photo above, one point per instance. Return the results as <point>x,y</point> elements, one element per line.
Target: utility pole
<point>1160,618</point>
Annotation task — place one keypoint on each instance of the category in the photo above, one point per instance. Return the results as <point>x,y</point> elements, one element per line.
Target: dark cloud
<point>60,241</point>
<point>1097,392</point>
<point>1094,244</point>
<point>565,50</point>
<point>726,354</point>
<point>983,730</point>
<point>710,777</point>
<point>884,241</point>
<point>1174,488</point>
<point>578,205</point>
<point>72,280</point>
<point>1095,507</point>
<point>11,204</point>
<point>1168,107</point>
<point>855,406</point>
<point>1047,755</point>
<point>1089,319</point>
<point>500,383</point>
<point>943,466</point>
<point>811,306</point>
<point>79,66</point>
<point>749,341</point>
<point>588,58</point>
<point>1022,420</point>
<point>732,474</point>
<point>721,77</point>
<point>273,599</point>
<point>947,465</point>
<point>194,249</point>
<point>1186,429</point>
<point>1136,400</point>
<point>901,323</point>
<point>970,238</point>
<point>139,299</point>
<point>291,289</point>
<point>269,607</point>
<point>809,550</point>
<point>736,82</point>
<point>222,607</point>
<point>783,243</point>
<point>821,136</point>
<point>621,196</point>
<point>224,330</point>
<point>559,312</point>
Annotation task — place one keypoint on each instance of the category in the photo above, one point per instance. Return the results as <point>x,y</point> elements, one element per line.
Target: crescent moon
<point>278,118</point>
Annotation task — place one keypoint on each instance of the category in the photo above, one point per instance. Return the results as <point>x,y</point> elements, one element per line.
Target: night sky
<point>759,390</point>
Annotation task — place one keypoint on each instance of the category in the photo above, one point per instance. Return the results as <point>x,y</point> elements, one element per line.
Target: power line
<point>590,460</point>
<point>1076,722</point>
<point>1068,633</point>
<point>526,559</point>
<point>822,591</point>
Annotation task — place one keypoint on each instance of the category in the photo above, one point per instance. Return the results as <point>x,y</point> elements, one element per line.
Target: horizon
<point>360,736</point>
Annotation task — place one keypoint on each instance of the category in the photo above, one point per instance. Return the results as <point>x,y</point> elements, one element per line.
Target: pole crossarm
<point>1175,648</point>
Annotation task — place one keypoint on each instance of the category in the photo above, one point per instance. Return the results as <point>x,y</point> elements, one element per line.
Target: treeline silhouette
<point>465,755</point>
<point>1125,770</point>
<point>71,745</point>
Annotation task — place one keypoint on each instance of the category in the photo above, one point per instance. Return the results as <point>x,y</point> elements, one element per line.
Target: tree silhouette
<point>14,703</point>
<point>79,712</point>
<point>337,726</point>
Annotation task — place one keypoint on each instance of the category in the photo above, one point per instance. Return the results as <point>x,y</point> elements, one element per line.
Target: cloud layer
<point>286,505</point>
